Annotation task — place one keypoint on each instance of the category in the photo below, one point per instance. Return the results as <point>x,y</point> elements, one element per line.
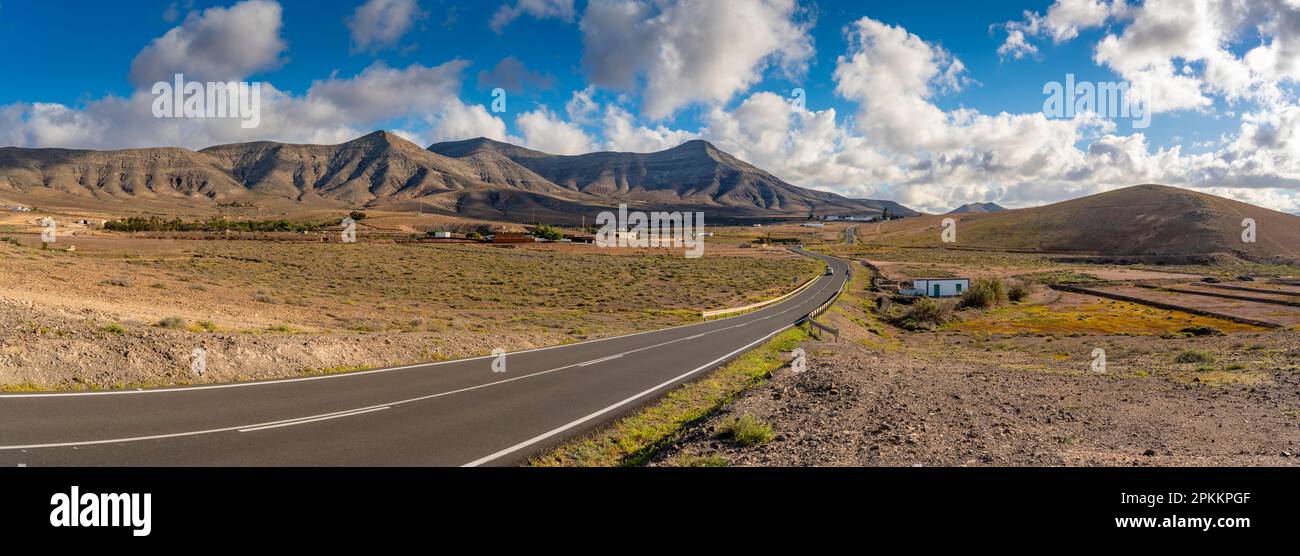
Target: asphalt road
<point>442,414</point>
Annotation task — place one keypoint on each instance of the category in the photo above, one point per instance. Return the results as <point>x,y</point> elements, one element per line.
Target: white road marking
<point>647,392</point>
<point>304,421</point>
<point>601,360</point>
<point>285,422</point>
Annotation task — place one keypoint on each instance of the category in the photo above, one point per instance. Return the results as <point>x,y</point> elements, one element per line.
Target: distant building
<point>938,287</point>
<point>442,235</point>
<point>813,225</point>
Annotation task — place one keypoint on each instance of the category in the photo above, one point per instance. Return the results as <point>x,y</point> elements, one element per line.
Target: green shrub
<point>175,323</point>
<point>1193,356</point>
<point>924,314</point>
<point>746,430</point>
<point>1018,291</point>
<point>702,461</point>
<point>1201,331</point>
<point>548,232</point>
<point>985,293</point>
<point>114,328</point>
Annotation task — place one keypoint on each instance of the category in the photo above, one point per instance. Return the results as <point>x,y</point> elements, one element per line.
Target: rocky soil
<point>940,402</point>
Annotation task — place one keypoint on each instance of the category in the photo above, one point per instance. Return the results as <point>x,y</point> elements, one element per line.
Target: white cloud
<point>623,133</point>
<point>331,111</point>
<point>544,131</point>
<point>457,121</point>
<point>582,107</point>
<point>218,44</point>
<point>540,9</point>
<point>1064,20</point>
<point>381,23</point>
<point>687,51</point>
<point>1181,53</point>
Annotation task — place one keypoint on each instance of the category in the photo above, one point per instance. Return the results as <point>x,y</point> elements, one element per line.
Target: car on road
<point>830,271</point>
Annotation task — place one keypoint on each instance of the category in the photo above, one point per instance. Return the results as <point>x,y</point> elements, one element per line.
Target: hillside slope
<point>696,173</point>
<point>1138,220</point>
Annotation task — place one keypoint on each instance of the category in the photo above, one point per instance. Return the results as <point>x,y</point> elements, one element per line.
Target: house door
<point>936,290</point>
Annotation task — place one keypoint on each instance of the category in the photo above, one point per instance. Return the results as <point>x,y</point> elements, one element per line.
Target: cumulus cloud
<point>543,130</point>
<point>382,23</point>
<point>218,44</point>
<point>332,110</point>
<point>511,74</point>
<point>1181,54</point>
<point>456,121</point>
<point>1064,20</point>
<point>687,51</point>
<point>540,9</point>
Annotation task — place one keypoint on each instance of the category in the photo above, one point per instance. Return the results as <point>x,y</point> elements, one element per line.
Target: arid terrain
<point>103,310</point>
<point>1017,384</point>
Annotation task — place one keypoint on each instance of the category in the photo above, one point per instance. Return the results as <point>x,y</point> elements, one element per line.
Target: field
<point>127,311</point>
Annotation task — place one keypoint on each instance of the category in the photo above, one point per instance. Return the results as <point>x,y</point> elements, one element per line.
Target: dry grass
<point>250,286</point>
<point>634,439</point>
<point>1103,317</point>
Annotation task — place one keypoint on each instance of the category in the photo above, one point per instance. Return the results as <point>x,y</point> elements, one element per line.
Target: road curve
<point>441,414</point>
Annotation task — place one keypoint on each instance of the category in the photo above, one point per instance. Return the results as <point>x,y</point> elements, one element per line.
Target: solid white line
<point>305,421</point>
<point>601,360</point>
<point>647,392</point>
<point>372,371</point>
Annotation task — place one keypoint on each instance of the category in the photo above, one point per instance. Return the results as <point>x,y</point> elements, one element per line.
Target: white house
<point>938,287</point>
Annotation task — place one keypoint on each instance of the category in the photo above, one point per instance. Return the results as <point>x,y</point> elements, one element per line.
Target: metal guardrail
<point>811,319</point>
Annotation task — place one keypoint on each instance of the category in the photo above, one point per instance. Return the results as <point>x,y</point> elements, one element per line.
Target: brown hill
<point>1143,220</point>
<point>694,174</point>
<point>974,208</point>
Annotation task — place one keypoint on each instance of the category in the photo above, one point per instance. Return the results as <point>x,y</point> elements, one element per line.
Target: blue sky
<point>81,60</point>
<point>75,87</point>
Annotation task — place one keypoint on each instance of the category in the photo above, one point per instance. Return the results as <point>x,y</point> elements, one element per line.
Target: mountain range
<point>477,178</point>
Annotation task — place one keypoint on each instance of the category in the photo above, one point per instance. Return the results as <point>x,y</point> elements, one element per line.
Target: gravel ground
<point>941,400</point>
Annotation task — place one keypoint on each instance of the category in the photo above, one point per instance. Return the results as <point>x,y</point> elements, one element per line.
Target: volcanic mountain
<point>693,174</point>
<point>479,178</point>
<point>1143,220</point>
<point>976,208</point>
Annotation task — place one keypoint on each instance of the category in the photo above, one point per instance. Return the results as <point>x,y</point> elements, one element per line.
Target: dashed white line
<point>601,360</point>
<point>293,422</point>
